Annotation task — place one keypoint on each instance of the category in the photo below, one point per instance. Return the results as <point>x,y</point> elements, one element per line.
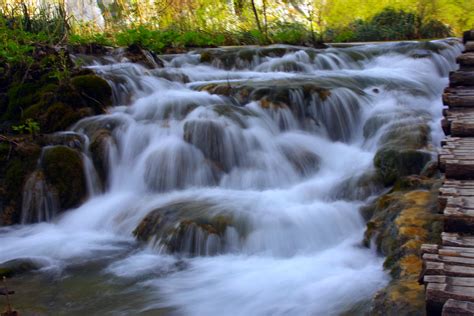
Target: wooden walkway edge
<point>448,269</point>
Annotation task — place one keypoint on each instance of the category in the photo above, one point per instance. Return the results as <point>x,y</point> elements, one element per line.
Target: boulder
<point>19,266</point>
<point>135,54</point>
<point>93,89</point>
<point>190,227</point>
<point>64,171</point>
<point>99,149</point>
<point>391,164</point>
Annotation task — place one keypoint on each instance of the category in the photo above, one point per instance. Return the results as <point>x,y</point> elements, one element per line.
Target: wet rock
<point>89,49</point>
<point>358,187</point>
<point>191,228</point>
<point>135,54</point>
<point>18,266</point>
<point>69,139</point>
<point>391,164</point>
<point>241,58</point>
<point>400,222</point>
<point>17,163</point>
<point>94,89</point>
<point>234,113</point>
<point>209,137</point>
<point>99,149</point>
<point>90,126</point>
<point>178,166</point>
<point>305,162</point>
<point>64,171</point>
<point>40,202</point>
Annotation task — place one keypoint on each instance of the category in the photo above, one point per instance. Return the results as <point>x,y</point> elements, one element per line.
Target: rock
<point>305,162</point>
<point>400,222</point>
<point>93,89</point>
<point>358,187</point>
<point>99,149</point>
<point>18,266</point>
<point>69,139</point>
<point>177,166</point>
<point>64,171</point>
<point>17,163</point>
<point>191,228</point>
<point>135,54</point>
<point>209,137</point>
<point>391,164</point>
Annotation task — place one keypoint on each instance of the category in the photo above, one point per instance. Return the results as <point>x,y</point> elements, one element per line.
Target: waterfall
<point>232,178</point>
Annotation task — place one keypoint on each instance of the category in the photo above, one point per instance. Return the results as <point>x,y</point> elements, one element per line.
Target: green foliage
<point>290,33</point>
<point>390,25</point>
<point>30,126</point>
<point>61,68</point>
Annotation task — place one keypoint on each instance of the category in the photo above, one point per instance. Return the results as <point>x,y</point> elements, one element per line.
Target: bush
<point>389,25</point>
<point>290,33</point>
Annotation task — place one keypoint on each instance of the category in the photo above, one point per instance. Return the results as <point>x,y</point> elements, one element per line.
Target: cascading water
<point>239,172</point>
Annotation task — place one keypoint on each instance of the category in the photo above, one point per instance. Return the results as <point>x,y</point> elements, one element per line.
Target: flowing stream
<point>249,166</point>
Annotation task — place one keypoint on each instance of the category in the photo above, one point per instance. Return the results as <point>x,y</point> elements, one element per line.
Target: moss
<point>392,164</point>
<point>99,151</point>
<point>403,220</point>
<point>20,97</point>
<point>94,89</point>
<point>206,57</point>
<point>17,266</point>
<point>63,169</point>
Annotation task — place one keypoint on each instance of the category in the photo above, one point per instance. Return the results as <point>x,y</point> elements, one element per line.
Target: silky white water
<point>284,176</point>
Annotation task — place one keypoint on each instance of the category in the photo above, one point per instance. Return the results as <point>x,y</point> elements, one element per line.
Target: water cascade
<point>228,181</point>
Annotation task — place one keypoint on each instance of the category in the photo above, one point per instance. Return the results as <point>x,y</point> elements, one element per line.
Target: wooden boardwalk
<point>448,269</point>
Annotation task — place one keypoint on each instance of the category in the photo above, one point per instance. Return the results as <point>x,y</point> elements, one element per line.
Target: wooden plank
<point>457,308</point>
<point>457,252</point>
<point>468,36</point>
<point>461,78</point>
<point>466,60</point>
<point>440,268</point>
<point>437,294</point>
<point>442,279</point>
<point>459,122</point>
<point>469,46</point>
<point>461,261</point>
<point>456,240</point>
<point>460,168</point>
<point>456,100</point>
<point>429,248</point>
<point>458,220</point>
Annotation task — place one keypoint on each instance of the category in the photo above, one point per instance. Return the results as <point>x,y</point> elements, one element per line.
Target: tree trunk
<point>255,13</point>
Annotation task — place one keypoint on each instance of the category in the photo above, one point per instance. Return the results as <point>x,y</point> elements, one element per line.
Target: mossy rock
<point>392,164</point>
<point>20,97</point>
<point>99,149</point>
<point>64,170</point>
<point>93,89</point>
<point>186,227</point>
<point>15,267</point>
